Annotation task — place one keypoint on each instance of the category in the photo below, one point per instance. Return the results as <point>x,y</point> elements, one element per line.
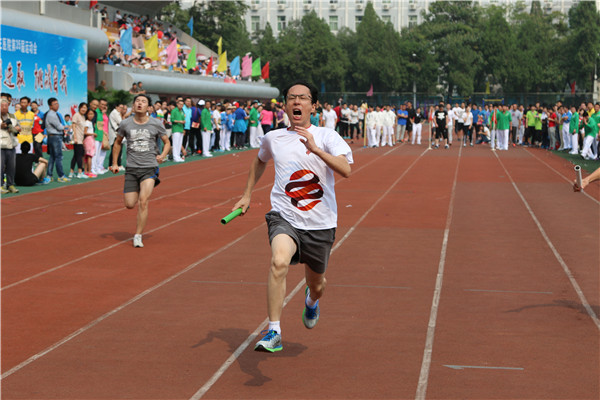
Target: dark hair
<point>51,101</point>
<point>7,95</point>
<point>314,92</point>
<point>82,104</point>
<point>25,147</point>
<point>25,98</point>
<point>143,95</point>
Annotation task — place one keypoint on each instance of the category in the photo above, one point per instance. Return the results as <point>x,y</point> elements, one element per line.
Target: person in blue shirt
<point>566,137</point>
<point>187,111</point>
<point>402,118</point>
<point>240,126</point>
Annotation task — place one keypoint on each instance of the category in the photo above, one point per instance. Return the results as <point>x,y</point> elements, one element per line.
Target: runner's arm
<point>256,170</point>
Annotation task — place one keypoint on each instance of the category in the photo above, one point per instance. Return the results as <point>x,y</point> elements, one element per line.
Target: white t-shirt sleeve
<point>336,146</point>
<point>264,153</point>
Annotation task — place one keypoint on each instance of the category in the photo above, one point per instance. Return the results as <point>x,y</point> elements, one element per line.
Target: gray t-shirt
<point>142,147</point>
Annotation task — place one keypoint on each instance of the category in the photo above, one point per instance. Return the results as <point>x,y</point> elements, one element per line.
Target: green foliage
<point>308,50</point>
<point>458,49</point>
<point>113,97</point>
<point>582,44</point>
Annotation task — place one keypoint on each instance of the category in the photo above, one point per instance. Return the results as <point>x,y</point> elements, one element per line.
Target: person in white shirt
<point>371,126</point>
<point>388,118</point>
<point>451,119</point>
<point>378,125</point>
<point>329,117</point>
<point>303,217</point>
<point>459,114</point>
<point>468,127</point>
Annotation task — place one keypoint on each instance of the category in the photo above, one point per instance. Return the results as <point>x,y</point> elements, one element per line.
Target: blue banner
<point>42,65</point>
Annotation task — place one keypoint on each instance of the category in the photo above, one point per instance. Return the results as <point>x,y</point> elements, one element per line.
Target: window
<point>281,2</point>
<point>412,20</point>
<point>255,2</point>
<point>386,18</point>
<point>307,2</point>
<point>357,20</point>
<point>281,23</point>
<point>333,2</point>
<point>333,23</point>
<point>388,2</point>
<point>255,23</point>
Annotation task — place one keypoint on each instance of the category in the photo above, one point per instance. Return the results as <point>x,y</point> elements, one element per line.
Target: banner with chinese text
<point>42,65</point>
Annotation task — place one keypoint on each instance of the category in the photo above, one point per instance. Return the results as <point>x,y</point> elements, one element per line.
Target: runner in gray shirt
<point>141,172</point>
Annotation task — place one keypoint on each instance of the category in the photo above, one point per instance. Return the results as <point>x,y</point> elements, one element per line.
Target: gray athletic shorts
<point>312,246</point>
<point>134,176</point>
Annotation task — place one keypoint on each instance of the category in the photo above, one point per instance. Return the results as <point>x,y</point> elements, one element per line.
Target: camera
<point>8,122</point>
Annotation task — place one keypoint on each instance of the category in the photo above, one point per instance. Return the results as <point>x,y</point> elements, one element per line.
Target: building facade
<point>349,13</point>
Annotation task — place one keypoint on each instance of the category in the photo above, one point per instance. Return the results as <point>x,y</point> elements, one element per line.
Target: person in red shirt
<point>552,121</point>
<point>37,131</point>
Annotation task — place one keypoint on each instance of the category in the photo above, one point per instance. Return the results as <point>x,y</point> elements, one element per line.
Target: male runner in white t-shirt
<point>303,214</point>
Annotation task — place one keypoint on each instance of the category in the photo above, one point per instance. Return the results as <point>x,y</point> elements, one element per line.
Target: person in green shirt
<point>591,126</point>
<point>504,119</point>
<point>253,121</point>
<point>178,122</point>
<point>537,115</point>
<point>206,126</point>
<point>530,123</point>
<point>574,131</point>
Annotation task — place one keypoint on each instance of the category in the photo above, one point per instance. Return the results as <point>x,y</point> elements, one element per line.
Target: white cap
<point>200,102</point>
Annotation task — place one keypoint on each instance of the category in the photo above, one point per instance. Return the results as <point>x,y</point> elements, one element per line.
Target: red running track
<point>456,274</point>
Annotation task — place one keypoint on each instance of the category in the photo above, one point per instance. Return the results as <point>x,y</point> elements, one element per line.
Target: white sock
<point>310,302</point>
<point>137,235</point>
<point>274,326</point>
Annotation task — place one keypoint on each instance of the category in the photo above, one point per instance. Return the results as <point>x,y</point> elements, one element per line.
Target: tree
<point>583,44</point>
<point>496,42</point>
<point>378,58</point>
<point>450,27</point>
<point>308,50</point>
<point>537,62</point>
<point>214,20</point>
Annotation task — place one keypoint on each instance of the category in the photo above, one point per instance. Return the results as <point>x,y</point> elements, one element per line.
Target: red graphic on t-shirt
<point>304,190</point>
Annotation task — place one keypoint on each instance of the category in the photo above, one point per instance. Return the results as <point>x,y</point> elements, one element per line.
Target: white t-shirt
<point>303,192</point>
<point>329,119</point>
<point>371,119</point>
<point>451,117</point>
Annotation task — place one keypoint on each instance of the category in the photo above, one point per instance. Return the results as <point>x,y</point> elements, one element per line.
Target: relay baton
<point>231,216</point>
<point>578,176</point>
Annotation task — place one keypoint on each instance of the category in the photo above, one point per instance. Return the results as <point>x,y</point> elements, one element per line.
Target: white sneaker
<point>121,168</point>
<point>207,155</point>
<point>137,241</point>
<point>81,175</point>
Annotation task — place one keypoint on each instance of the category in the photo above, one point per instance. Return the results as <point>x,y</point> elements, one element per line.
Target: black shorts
<point>441,132</point>
<point>313,247</point>
<point>460,126</point>
<point>26,179</point>
<point>134,176</point>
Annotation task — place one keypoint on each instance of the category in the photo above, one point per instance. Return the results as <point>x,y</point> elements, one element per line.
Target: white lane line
<point>97,194</point>
<point>235,355</point>
<point>150,231</point>
<point>147,291</point>
<point>426,363</point>
<point>118,243</point>
<point>558,257</point>
<point>460,367</point>
<point>505,291</point>
<point>122,306</point>
<point>562,176</point>
<point>120,209</point>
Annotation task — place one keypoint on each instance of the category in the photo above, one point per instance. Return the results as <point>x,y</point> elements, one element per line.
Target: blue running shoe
<point>271,342</point>
<point>310,316</point>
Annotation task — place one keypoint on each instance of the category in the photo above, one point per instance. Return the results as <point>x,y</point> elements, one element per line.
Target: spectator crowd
<point>199,128</point>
